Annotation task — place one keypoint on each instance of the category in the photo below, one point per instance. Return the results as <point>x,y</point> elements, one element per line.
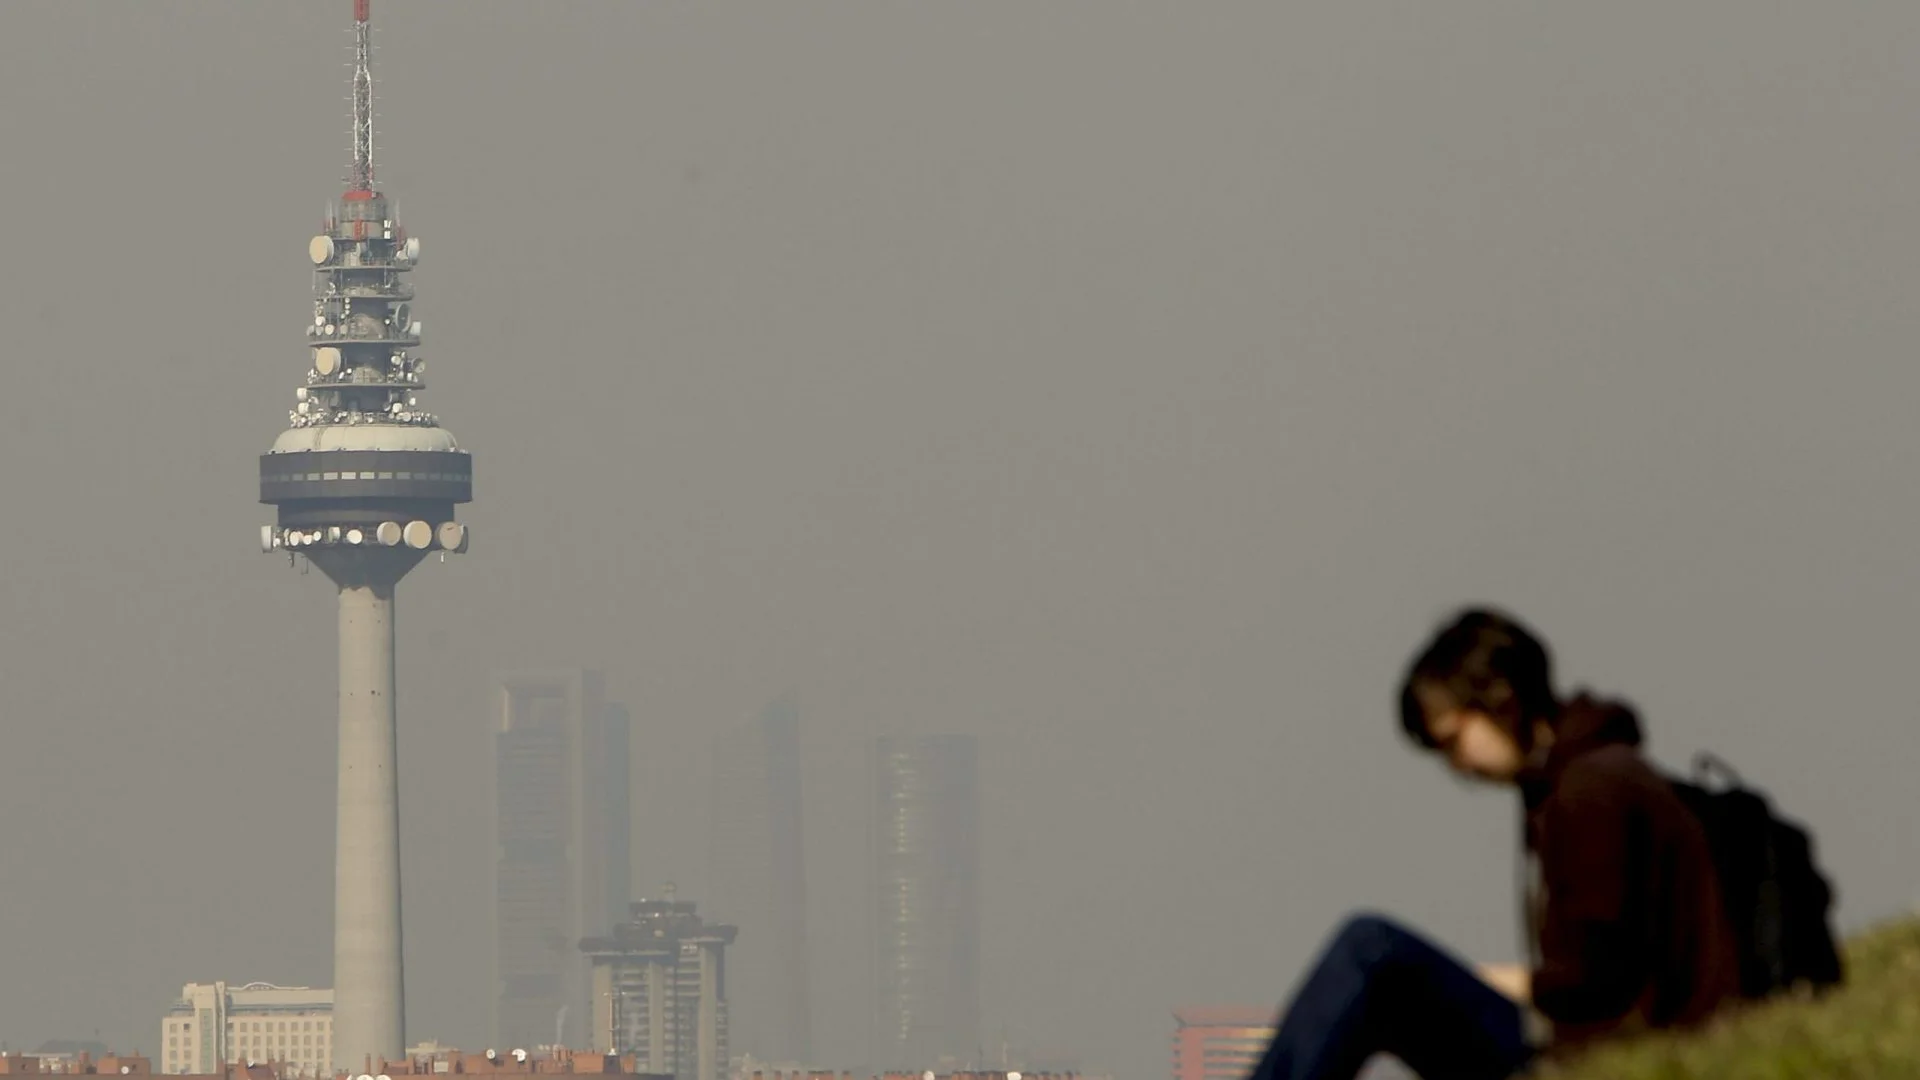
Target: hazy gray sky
<point>1132,385</point>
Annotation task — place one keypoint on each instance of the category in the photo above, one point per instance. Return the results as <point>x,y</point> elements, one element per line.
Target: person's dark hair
<point>1484,660</point>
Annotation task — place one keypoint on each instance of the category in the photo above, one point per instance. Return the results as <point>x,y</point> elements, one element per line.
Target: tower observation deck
<point>365,483</point>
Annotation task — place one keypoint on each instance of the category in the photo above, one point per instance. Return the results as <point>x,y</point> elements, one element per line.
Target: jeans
<point>1379,988</point>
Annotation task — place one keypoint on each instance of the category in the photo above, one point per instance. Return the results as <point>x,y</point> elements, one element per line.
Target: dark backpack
<point>1777,898</point>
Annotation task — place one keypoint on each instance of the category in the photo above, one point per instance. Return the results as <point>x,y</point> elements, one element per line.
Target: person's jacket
<point>1627,919</point>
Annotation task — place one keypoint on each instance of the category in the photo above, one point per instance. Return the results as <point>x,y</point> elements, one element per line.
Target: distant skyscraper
<point>759,882</point>
<point>660,990</point>
<point>926,901</point>
<point>562,837</point>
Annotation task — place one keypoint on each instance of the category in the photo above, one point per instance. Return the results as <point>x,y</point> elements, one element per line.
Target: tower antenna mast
<point>361,178</point>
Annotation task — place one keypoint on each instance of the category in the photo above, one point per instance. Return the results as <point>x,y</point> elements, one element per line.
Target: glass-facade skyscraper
<point>562,838</point>
<point>926,861</point>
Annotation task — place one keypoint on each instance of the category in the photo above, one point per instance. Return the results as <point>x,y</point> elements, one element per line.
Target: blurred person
<point>1625,920</point>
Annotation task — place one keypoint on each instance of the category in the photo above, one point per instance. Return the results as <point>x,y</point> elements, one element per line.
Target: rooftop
<point>1233,1016</point>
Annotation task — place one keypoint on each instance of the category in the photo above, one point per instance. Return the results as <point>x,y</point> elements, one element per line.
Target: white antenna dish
<point>419,535</point>
<point>383,1076</point>
<point>452,536</point>
<point>491,1055</point>
<point>355,536</point>
<point>388,533</point>
<point>519,1054</point>
<point>320,250</point>
<point>411,249</point>
<point>266,538</point>
<point>400,315</point>
<point>363,1076</point>
<point>413,328</point>
<point>326,360</point>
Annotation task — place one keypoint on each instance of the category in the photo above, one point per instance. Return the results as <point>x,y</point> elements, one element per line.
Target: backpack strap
<point>1526,883</point>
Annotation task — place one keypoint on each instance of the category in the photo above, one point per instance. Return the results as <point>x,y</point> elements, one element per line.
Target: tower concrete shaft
<point>369,986</point>
<point>365,484</point>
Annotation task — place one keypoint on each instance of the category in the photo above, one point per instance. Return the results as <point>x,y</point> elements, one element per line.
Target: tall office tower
<point>365,484</point>
<point>660,990</point>
<point>926,860</point>
<point>562,836</point>
<point>759,882</point>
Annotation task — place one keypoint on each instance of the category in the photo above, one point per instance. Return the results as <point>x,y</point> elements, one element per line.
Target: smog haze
<point>1131,386</point>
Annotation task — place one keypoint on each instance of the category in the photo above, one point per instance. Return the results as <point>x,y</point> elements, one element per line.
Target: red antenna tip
<point>362,10</point>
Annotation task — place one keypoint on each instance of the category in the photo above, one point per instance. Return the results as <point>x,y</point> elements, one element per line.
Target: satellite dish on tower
<point>400,315</point>
<point>519,1055</point>
<point>326,360</point>
<point>320,250</point>
<point>411,249</point>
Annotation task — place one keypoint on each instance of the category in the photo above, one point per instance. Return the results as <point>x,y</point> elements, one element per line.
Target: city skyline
<point>1136,408</point>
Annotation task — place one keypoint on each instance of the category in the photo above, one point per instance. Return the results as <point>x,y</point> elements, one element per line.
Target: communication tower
<point>365,483</point>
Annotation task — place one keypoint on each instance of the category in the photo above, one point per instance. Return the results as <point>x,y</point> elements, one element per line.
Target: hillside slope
<point>1868,1031</point>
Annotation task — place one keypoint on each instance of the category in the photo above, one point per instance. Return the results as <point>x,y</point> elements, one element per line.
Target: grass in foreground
<point>1870,1030</point>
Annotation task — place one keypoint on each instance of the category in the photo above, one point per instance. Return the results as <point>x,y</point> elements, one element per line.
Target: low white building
<point>213,1024</point>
